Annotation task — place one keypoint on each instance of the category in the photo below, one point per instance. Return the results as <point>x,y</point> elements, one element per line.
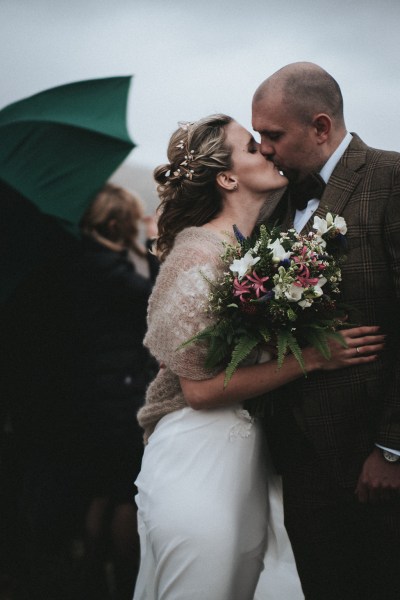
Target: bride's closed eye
<point>252,146</point>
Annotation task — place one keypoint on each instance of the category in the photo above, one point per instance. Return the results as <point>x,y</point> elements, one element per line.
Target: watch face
<point>390,456</point>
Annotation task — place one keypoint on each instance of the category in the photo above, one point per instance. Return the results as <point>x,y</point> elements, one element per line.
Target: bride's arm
<point>251,381</point>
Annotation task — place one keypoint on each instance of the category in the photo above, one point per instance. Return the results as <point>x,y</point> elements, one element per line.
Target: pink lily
<point>303,275</point>
<point>241,288</point>
<point>258,283</point>
<point>303,281</point>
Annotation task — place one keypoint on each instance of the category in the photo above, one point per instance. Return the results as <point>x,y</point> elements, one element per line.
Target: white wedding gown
<point>204,523</point>
<point>279,579</point>
<point>204,518</point>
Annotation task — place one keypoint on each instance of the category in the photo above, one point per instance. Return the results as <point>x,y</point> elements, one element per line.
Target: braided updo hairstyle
<point>187,187</point>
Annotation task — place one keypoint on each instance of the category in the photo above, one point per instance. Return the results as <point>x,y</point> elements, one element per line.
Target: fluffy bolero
<point>177,311</point>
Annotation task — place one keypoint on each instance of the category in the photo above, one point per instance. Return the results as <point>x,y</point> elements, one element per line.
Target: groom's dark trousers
<point>344,550</point>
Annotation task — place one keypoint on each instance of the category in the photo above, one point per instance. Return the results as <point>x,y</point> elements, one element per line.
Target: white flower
<point>279,290</point>
<point>322,244</point>
<point>340,224</point>
<point>324,225</point>
<point>318,287</point>
<point>294,293</point>
<point>306,303</point>
<point>278,251</point>
<point>242,265</point>
<point>291,291</point>
<point>321,225</point>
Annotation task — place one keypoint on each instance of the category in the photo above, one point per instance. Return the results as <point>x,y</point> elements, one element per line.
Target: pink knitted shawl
<point>177,311</point>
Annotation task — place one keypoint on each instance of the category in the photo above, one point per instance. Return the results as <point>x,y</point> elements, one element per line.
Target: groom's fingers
<point>367,349</point>
<point>357,332</point>
<point>365,345</point>
<point>359,360</point>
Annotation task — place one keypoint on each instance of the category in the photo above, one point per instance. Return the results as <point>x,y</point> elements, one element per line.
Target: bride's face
<point>250,168</point>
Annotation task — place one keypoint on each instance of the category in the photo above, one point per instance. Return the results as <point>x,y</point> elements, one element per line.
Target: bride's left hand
<point>362,346</point>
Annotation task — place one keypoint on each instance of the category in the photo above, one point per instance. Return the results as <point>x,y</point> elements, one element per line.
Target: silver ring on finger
<point>358,349</point>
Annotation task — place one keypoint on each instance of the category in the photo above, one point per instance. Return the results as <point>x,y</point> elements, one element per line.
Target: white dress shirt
<point>302,216</point>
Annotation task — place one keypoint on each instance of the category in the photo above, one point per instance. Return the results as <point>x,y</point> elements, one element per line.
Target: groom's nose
<point>267,149</point>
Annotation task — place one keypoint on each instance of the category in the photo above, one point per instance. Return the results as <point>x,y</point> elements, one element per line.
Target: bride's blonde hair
<point>187,187</point>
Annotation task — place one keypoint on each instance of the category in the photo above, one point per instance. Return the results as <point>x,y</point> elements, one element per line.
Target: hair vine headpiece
<point>185,125</point>
<point>184,169</point>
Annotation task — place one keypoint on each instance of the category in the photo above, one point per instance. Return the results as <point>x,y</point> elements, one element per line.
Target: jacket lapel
<point>342,182</point>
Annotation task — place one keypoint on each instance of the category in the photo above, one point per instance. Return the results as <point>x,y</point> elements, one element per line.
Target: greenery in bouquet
<point>279,289</point>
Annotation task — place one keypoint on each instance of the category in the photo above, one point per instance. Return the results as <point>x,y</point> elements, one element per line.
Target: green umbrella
<point>59,146</point>
<point>57,149</point>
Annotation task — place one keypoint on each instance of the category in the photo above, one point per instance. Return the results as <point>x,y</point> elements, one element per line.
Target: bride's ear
<point>227,181</point>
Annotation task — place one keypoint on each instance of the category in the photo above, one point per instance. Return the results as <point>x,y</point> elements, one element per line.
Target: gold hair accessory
<point>185,125</point>
<point>184,169</point>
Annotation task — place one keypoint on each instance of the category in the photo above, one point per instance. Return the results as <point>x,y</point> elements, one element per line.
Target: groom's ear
<point>227,181</point>
<point>322,124</point>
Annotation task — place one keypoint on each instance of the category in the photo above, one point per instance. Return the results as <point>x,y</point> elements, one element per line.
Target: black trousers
<point>344,550</point>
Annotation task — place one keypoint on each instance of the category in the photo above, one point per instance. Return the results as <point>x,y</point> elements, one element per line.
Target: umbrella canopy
<point>58,147</point>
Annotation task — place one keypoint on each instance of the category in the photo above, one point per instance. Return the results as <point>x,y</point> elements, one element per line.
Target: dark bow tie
<point>311,187</point>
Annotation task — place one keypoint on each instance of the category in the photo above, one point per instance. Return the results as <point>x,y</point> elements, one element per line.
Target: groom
<point>335,437</point>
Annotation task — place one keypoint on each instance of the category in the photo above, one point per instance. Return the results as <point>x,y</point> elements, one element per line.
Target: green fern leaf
<point>217,352</point>
<point>282,345</point>
<point>241,351</point>
<point>296,351</point>
<point>318,338</point>
<point>204,334</point>
<point>336,335</point>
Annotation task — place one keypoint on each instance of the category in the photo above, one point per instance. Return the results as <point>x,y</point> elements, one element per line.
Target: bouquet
<point>279,290</point>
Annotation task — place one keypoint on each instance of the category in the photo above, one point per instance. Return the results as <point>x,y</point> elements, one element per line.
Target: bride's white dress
<point>204,522</point>
<point>209,505</point>
<point>279,579</point>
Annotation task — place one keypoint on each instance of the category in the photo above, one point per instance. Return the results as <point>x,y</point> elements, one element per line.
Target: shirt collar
<point>333,160</point>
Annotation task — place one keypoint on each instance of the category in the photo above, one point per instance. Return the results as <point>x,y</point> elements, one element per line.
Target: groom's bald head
<point>304,89</point>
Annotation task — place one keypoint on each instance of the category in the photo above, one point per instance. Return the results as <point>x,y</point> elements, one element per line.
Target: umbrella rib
<point>72,126</point>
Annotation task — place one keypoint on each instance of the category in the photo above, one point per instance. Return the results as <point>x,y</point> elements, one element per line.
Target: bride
<point>203,487</point>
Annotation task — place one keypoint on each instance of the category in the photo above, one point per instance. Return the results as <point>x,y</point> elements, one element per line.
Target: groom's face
<point>286,140</point>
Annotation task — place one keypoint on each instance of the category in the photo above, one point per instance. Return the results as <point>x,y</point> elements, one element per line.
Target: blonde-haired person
<point>202,489</point>
<point>119,272</point>
<point>116,218</point>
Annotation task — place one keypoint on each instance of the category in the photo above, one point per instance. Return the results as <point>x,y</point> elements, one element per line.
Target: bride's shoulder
<point>195,235</point>
<point>195,244</point>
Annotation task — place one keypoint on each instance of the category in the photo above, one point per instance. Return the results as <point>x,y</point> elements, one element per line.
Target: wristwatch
<point>390,456</point>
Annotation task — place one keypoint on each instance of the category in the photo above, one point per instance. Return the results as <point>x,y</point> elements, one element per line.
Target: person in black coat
<point>79,327</point>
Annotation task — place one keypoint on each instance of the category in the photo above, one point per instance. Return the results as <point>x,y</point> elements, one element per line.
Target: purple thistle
<point>266,297</point>
<point>238,235</point>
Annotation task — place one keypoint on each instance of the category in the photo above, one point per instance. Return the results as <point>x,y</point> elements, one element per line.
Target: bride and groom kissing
<point>334,434</point>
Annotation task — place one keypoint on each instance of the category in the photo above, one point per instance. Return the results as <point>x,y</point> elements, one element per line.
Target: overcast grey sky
<point>191,58</point>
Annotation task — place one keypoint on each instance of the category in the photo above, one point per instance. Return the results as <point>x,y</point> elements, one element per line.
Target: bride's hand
<point>363,345</point>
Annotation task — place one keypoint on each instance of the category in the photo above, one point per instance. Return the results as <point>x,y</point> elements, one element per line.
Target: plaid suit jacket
<point>341,414</point>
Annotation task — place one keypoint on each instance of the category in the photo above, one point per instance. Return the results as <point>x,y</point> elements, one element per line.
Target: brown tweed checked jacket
<point>343,413</point>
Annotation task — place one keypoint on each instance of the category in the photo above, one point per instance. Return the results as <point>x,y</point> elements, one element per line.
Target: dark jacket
<point>341,414</point>
<point>78,370</point>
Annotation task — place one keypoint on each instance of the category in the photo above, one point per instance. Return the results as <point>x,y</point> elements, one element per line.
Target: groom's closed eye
<point>272,135</point>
